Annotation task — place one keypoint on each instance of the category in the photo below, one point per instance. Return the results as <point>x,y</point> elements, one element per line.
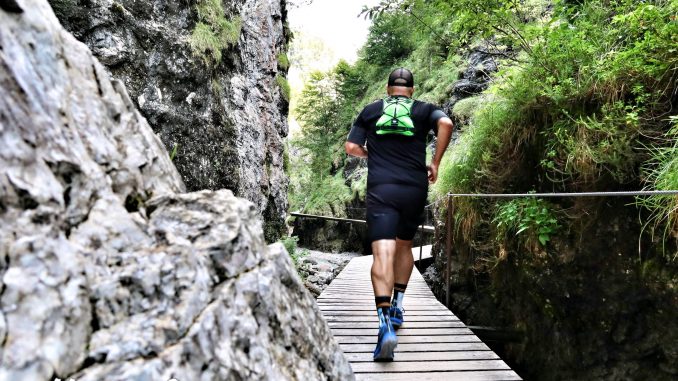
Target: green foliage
<point>388,42</point>
<point>464,110</point>
<point>466,166</point>
<point>663,174</point>
<point>213,33</point>
<point>283,61</point>
<point>290,244</point>
<point>284,87</point>
<point>174,152</point>
<point>529,217</point>
<point>579,110</point>
<point>325,111</point>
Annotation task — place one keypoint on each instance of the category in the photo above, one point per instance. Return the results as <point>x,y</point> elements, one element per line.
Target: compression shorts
<point>394,211</point>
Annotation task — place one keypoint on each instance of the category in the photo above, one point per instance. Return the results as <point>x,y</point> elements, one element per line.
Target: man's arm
<point>356,150</point>
<point>445,127</point>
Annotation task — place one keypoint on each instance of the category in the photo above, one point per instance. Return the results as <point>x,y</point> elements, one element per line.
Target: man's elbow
<point>350,148</point>
<point>446,124</point>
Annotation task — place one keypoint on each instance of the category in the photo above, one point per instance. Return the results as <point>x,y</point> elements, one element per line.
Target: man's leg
<point>382,224</point>
<point>402,269</point>
<point>384,252</point>
<point>382,282</point>
<point>404,262</point>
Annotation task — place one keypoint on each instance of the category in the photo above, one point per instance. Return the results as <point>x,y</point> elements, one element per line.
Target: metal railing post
<point>448,248</point>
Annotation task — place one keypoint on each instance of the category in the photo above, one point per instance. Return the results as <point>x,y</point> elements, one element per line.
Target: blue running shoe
<point>396,315</point>
<point>386,344</point>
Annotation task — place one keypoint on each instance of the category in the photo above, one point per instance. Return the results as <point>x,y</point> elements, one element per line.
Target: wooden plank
<point>433,343</point>
<point>404,331</point>
<point>411,340</point>
<point>372,312</point>
<point>408,324</point>
<point>428,347</point>
<point>373,318</point>
<point>429,366</point>
<point>428,356</point>
<point>494,375</point>
<point>342,297</point>
<point>372,308</point>
<point>370,304</point>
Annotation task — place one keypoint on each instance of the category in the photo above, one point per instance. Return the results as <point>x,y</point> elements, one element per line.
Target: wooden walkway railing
<point>432,344</point>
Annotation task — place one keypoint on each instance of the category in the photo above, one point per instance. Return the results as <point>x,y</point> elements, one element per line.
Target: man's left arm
<point>445,128</point>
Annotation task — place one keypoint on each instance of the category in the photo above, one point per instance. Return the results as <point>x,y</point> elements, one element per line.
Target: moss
<point>286,160</point>
<point>118,8</point>
<point>285,88</point>
<point>213,33</point>
<point>283,61</point>
<point>217,88</point>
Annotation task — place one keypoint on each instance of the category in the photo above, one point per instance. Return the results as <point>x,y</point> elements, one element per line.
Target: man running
<point>395,130</point>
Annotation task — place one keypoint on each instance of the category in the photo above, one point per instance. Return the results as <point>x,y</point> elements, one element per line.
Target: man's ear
<point>411,91</point>
<point>388,90</point>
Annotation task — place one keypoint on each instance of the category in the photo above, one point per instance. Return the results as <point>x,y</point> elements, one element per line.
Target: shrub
<point>296,255</point>
<point>531,218</point>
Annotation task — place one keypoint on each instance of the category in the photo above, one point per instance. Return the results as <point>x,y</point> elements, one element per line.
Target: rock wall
<point>225,119</point>
<point>109,272</point>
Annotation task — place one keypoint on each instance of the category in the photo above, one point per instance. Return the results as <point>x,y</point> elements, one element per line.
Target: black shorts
<point>394,211</point>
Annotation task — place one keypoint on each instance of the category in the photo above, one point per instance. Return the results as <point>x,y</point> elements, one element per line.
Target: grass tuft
<point>213,33</point>
<point>285,88</point>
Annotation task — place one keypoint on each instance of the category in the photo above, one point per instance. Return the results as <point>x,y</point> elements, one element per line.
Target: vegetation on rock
<point>214,32</point>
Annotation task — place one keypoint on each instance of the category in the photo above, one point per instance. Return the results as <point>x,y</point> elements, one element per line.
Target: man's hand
<point>432,173</point>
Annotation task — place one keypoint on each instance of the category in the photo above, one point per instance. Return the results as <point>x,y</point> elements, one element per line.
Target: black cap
<point>401,77</point>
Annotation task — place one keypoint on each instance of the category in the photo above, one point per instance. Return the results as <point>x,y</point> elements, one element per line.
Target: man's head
<point>400,82</point>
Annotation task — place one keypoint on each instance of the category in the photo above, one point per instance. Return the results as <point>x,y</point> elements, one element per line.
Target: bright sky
<point>335,22</point>
<point>338,29</point>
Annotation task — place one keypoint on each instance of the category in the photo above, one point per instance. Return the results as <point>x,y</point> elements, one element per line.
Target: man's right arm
<point>355,143</point>
<point>445,127</point>
<point>356,150</point>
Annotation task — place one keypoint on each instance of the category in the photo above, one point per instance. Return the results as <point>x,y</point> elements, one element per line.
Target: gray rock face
<point>225,120</point>
<point>107,271</point>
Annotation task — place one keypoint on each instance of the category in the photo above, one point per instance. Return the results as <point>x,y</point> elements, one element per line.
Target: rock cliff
<point>209,76</point>
<point>109,272</point>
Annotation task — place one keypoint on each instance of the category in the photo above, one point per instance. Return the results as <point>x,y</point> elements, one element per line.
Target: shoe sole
<point>387,347</point>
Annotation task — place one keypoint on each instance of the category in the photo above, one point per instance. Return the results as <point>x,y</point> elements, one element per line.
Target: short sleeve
<point>358,134</point>
<point>436,114</point>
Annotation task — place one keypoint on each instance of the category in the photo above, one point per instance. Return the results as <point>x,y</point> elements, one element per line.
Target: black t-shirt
<point>396,159</point>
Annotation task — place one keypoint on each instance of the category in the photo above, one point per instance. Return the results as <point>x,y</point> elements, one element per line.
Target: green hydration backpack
<point>396,117</point>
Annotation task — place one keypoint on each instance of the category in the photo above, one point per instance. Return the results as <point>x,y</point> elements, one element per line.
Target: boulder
<point>109,271</point>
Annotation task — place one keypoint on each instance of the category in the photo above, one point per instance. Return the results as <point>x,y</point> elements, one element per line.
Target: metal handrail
<point>554,195</point>
<point>424,228</point>
<point>450,213</point>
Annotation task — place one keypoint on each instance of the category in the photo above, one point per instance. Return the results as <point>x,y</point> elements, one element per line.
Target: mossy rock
<point>464,109</point>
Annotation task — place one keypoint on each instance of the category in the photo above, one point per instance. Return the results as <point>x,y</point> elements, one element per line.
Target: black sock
<point>382,301</point>
<point>398,295</point>
<point>383,304</point>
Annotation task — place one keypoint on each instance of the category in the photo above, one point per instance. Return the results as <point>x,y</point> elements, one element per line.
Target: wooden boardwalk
<point>432,344</point>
